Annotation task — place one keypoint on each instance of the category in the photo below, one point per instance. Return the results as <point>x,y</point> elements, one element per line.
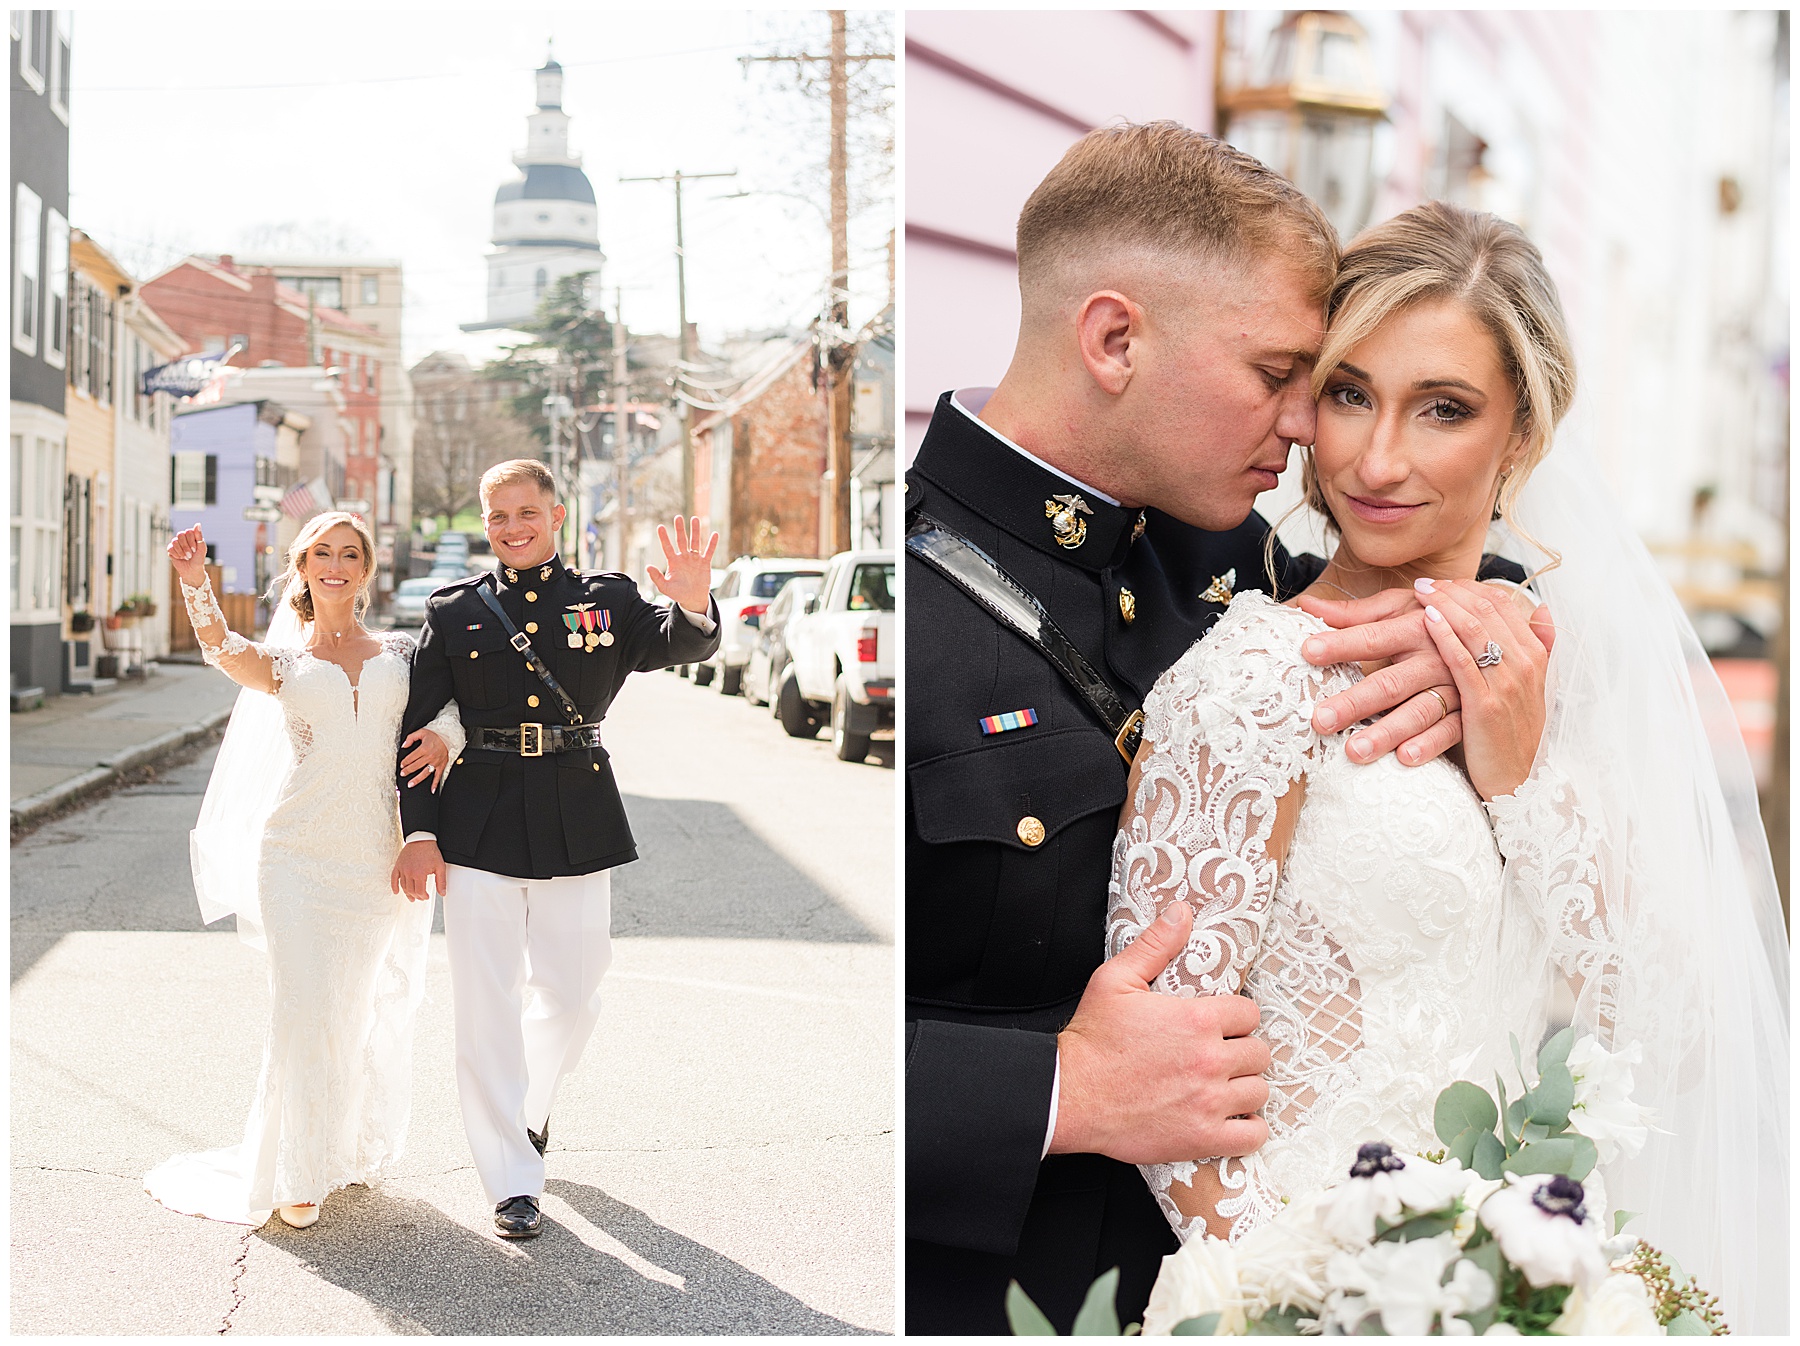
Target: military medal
<point>574,619</point>
<point>604,619</point>
<point>1064,513</point>
<point>1013,719</point>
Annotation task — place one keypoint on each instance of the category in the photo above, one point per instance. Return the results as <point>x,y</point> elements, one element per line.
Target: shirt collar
<point>970,401</point>
<point>508,576</point>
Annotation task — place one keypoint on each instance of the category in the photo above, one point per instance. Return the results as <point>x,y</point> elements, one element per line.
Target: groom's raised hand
<point>1149,1078</point>
<point>688,579</point>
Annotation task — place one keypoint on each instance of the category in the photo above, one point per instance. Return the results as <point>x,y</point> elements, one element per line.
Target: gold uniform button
<point>1127,606</point>
<point>596,766</point>
<point>531,628</point>
<point>531,701</point>
<point>459,761</point>
<point>474,654</point>
<point>531,595</point>
<point>1031,831</point>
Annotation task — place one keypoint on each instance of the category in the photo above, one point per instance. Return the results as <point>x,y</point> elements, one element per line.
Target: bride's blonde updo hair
<point>1442,251</point>
<point>300,595</point>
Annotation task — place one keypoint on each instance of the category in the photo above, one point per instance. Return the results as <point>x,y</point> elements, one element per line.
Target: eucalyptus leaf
<point>1429,1225</point>
<point>1370,1327</point>
<point>1555,1155</point>
<point>1532,1131</point>
<point>1278,1323</point>
<point>1621,1218</point>
<point>1098,1316</point>
<point>1687,1323</point>
<point>1586,1156</point>
<point>1463,1106</point>
<point>1518,1062</point>
<point>1555,1052</point>
<point>1490,1155</point>
<point>1553,1096</point>
<point>1515,1120</point>
<point>1206,1325</point>
<point>1026,1318</point>
<point>1462,1149</point>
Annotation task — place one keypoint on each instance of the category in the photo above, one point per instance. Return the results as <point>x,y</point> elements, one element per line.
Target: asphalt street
<point>722,1161</point>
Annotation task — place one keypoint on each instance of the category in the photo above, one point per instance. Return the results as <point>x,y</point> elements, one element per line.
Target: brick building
<point>758,462</point>
<point>215,303</point>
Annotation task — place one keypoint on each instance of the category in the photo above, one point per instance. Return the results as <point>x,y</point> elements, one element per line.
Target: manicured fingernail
<point>1412,755</point>
<point>1433,613</point>
<point>1326,719</point>
<point>1313,649</point>
<point>1424,586</point>
<point>1171,914</point>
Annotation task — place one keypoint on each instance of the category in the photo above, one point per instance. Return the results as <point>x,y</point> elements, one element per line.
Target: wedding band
<point>1440,700</point>
<point>1492,655</point>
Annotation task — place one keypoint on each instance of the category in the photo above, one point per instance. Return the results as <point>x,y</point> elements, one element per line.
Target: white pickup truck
<point>841,649</point>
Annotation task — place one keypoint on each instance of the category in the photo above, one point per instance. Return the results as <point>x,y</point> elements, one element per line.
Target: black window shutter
<point>212,478</point>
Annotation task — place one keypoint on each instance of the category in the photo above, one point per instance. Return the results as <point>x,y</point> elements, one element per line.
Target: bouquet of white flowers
<point>1494,1235</point>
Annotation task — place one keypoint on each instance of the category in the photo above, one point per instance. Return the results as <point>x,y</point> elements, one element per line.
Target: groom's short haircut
<point>1164,187</point>
<point>517,471</point>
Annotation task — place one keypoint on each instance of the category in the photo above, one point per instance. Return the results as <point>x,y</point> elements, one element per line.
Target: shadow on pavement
<point>425,1273</point>
<point>123,865</point>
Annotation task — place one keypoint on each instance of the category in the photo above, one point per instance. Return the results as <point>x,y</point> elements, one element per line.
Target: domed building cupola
<point>546,222</point>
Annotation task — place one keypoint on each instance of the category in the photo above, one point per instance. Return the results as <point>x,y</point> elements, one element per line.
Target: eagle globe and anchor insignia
<point>1064,513</point>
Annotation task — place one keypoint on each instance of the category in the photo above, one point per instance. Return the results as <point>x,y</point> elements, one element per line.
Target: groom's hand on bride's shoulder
<point>419,861</point>
<point>1413,692</point>
<point>1149,1078</point>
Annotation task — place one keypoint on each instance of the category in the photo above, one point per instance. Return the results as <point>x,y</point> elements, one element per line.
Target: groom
<point>522,838</point>
<point>1172,303</point>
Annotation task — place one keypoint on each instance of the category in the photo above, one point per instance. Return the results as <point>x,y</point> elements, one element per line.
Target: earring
<point>1498,493</point>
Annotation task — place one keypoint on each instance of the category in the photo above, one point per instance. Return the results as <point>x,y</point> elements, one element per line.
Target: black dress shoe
<point>517,1217</point>
<point>539,1141</point>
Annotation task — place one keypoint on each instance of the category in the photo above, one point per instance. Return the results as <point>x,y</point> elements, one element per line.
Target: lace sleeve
<point>448,723</point>
<point>1228,733</point>
<point>1555,858</point>
<point>240,659</point>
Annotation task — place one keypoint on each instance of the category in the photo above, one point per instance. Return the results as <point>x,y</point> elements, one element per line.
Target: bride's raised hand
<point>187,553</point>
<point>1501,667</point>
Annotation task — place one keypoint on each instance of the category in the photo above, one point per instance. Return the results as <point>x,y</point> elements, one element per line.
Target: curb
<point>59,796</point>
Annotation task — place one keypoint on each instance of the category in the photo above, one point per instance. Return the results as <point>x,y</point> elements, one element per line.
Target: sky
<point>390,130</point>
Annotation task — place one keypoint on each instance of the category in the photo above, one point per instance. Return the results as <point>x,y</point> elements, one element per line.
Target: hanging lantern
<point>1307,105</point>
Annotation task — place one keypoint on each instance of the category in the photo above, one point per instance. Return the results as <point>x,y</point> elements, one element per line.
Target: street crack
<point>237,1275</point>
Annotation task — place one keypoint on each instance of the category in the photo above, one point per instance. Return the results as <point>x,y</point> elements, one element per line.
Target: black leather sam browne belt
<point>979,575</point>
<point>534,740</point>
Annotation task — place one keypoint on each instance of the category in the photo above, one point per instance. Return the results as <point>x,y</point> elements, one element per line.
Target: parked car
<point>841,656</point>
<point>408,604</point>
<point>743,596</point>
<point>768,657</point>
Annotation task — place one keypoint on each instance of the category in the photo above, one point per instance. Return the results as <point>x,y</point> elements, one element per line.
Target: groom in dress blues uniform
<point>1172,304</point>
<point>522,838</point>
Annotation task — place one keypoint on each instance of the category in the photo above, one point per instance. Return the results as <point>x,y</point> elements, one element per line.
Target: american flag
<point>306,499</point>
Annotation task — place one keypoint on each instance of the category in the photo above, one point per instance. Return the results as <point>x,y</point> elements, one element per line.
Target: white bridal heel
<point>300,1217</point>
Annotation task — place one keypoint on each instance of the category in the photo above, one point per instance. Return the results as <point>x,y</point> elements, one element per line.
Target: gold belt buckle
<point>1131,730</point>
<point>531,740</point>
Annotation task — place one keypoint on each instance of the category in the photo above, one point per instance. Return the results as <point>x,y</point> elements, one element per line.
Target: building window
<point>34,48</point>
<point>373,368</point>
<point>542,280</point>
<point>371,290</point>
<point>27,256</point>
<point>78,541</point>
<point>56,316</point>
<point>239,339</point>
<point>325,291</point>
<point>196,479</point>
<point>58,70</point>
<point>39,481</point>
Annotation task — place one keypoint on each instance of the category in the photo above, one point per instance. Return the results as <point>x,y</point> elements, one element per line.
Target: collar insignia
<point>1064,513</point>
<point>512,576</point>
<point>1219,591</point>
<point>1137,529</point>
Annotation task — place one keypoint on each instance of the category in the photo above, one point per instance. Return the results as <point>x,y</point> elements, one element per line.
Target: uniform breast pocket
<point>1021,794</point>
<point>481,666</point>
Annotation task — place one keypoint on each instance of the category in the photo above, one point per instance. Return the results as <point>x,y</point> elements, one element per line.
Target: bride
<point>297,836</point>
<point>1593,857</point>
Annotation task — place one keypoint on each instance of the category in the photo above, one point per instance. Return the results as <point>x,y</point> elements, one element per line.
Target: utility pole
<point>687,352</point>
<point>840,352</point>
<point>621,465</point>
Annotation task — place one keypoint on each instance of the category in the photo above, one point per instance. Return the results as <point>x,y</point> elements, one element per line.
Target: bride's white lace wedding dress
<point>346,955</point>
<point>1369,948</point>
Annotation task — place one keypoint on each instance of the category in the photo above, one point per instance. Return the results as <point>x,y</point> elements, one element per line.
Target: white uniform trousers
<point>526,958</point>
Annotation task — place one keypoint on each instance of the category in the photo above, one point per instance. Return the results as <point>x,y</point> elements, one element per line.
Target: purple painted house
<point>220,455</point>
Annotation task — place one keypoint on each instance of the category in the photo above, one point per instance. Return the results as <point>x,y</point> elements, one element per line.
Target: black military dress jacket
<point>534,817</point>
<point>1008,853</point>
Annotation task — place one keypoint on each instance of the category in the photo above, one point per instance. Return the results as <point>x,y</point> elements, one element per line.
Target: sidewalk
<point>73,745</point>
